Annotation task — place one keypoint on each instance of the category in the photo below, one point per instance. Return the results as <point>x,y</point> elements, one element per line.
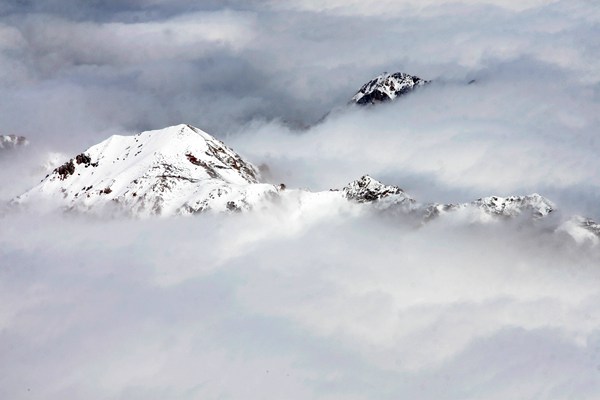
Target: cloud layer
<point>209,308</point>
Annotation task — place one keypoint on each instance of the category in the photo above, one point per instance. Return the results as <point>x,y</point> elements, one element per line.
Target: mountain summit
<point>386,87</point>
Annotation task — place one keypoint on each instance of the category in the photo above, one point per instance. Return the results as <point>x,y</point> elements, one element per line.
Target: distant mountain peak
<point>387,87</point>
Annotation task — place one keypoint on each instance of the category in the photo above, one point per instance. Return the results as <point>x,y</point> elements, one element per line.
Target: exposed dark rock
<point>65,170</point>
<point>232,206</point>
<point>83,159</point>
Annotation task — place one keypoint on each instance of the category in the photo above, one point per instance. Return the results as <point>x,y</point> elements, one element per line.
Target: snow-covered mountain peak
<point>179,145</point>
<point>386,87</point>
<point>176,170</point>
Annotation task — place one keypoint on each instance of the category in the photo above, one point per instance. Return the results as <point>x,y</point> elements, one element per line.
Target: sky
<point>309,304</point>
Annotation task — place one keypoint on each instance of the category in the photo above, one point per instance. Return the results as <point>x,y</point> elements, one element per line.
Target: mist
<point>237,307</point>
<point>290,302</point>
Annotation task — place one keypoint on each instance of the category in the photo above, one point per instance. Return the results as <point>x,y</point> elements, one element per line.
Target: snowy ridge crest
<point>512,206</point>
<point>369,190</point>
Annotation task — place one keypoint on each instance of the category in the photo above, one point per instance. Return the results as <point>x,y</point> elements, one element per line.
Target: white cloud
<point>351,303</point>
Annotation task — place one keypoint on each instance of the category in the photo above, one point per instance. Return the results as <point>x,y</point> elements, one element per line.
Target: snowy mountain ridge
<point>385,198</point>
<point>182,170</point>
<point>368,190</point>
<point>515,205</point>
